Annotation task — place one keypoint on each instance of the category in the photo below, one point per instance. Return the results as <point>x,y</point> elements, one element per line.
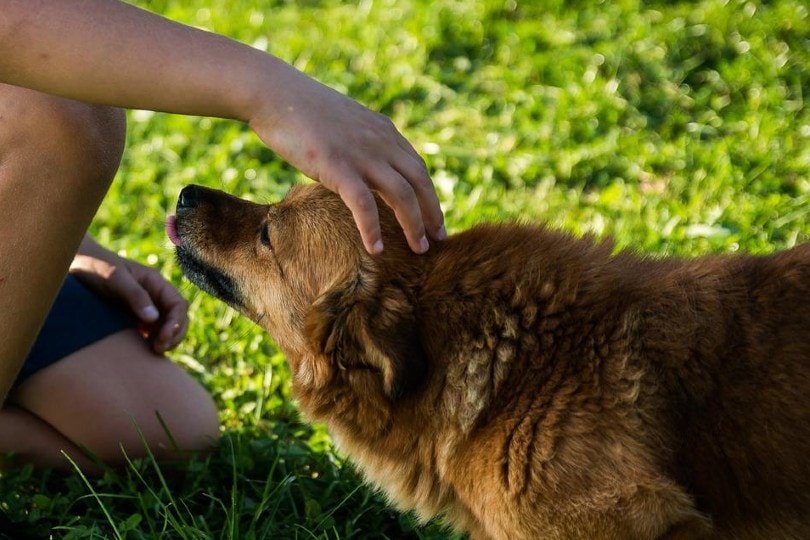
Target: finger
<point>357,196</point>
<point>178,334</point>
<point>171,332</point>
<point>163,293</point>
<point>171,304</point>
<point>174,320</point>
<point>176,315</point>
<point>413,169</point>
<point>400,195</point>
<point>128,288</point>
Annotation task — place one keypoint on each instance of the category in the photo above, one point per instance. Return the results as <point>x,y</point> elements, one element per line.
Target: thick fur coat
<point>528,384</point>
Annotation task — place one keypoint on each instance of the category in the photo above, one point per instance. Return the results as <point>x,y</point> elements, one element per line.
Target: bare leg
<point>57,159</point>
<point>32,440</point>
<point>100,397</point>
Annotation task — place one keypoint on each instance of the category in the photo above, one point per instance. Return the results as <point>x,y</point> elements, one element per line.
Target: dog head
<point>298,268</point>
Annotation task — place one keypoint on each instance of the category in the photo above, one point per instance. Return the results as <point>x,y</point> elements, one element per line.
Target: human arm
<point>160,308</point>
<point>109,52</point>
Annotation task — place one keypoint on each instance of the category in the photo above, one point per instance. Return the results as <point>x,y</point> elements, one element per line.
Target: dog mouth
<point>209,279</point>
<point>203,275</point>
<point>171,231</point>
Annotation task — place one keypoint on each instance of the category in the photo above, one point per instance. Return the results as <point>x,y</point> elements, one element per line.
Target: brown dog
<point>525,383</point>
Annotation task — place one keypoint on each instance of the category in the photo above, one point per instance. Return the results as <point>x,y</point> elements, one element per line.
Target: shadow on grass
<point>253,485</point>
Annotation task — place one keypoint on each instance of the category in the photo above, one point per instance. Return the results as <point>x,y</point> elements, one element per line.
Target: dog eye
<point>265,237</point>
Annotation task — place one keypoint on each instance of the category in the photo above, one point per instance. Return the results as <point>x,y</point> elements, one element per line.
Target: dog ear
<point>355,326</point>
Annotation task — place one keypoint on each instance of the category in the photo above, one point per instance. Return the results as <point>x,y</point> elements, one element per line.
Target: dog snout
<point>190,197</point>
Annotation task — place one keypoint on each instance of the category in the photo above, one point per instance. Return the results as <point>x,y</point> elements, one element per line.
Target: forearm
<point>124,56</point>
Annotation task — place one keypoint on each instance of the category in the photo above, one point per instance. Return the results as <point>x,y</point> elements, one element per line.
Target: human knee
<point>90,137</point>
<point>192,426</point>
<point>162,434</point>
<point>189,423</point>
<point>102,137</point>
<point>80,137</point>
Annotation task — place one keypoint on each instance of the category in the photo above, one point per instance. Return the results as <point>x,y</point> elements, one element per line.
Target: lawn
<point>679,128</point>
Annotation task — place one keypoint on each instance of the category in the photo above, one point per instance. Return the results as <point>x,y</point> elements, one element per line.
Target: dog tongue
<point>171,230</point>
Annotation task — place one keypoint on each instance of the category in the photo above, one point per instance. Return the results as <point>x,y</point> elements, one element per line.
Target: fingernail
<point>150,313</point>
<point>441,234</point>
<point>377,247</point>
<point>423,244</point>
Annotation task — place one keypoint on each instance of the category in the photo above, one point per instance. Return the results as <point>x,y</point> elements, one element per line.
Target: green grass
<point>676,127</point>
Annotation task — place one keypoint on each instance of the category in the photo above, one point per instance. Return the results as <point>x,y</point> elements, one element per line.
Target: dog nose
<point>189,197</point>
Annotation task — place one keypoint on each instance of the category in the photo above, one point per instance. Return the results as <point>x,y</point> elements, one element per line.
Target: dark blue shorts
<point>77,319</point>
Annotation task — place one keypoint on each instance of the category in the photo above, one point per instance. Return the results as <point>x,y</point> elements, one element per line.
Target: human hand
<point>352,151</point>
<point>163,312</point>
